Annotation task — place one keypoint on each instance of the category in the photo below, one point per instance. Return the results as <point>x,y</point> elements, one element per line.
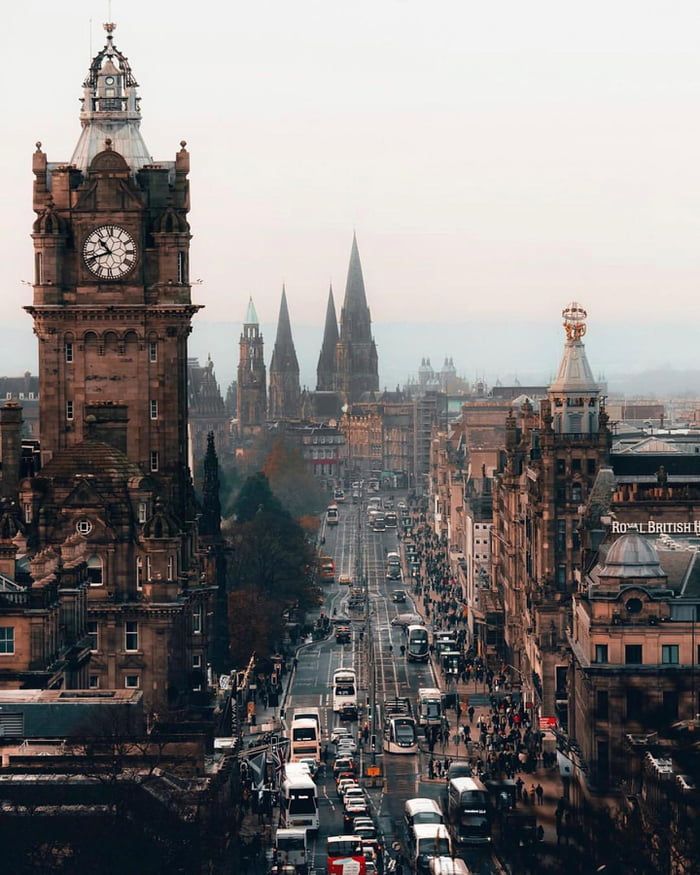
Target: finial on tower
<point>574,321</point>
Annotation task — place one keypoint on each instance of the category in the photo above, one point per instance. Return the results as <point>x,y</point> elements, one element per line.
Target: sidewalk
<point>477,695</point>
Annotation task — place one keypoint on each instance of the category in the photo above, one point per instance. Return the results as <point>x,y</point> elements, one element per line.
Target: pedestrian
<point>526,798</point>
<point>431,768</point>
<point>539,790</point>
<point>470,711</point>
<point>540,833</point>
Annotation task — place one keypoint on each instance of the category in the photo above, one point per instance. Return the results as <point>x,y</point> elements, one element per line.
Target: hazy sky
<point>496,159</point>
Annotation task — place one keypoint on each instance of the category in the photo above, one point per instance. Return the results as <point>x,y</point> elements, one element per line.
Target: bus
<point>400,734</point>
<point>342,850</point>
<point>326,569</point>
<point>468,811</point>
<point>298,798</point>
<point>290,850</point>
<point>305,736</point>
<point>429,706</point>
<point>332,515</point>
<point>344,688</point>
<point>418,648</point>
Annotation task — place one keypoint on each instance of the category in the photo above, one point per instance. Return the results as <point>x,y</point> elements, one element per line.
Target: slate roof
<point>101,462</point>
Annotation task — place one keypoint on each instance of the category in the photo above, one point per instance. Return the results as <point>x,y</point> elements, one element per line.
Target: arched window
<point>94,571</point>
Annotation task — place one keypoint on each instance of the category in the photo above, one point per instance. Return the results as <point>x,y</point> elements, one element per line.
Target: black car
<point>348,712</point>
<point>398,596</point>
<point>343,635</point>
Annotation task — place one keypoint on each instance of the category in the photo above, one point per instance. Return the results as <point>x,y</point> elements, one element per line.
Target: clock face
<point>109,252</point>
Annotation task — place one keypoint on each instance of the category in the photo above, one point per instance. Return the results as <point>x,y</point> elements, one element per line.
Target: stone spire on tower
<point>110,110</point>
<point>356,353</point>
<point>285,392</point>
<point>252,383</point>
<point>210,523</point>
<point>325,372</point>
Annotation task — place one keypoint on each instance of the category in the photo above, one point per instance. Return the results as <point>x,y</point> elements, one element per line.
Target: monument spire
<point>325,372</point>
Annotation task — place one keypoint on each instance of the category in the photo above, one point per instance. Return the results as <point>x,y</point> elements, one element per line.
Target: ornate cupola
<point>575,395</point>
<point>110,110</point>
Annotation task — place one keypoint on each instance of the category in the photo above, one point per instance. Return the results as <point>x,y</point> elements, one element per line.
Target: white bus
<point>429,706</point>
<point>344,688</point>
<point>305,737</point>
<point>298,798</point>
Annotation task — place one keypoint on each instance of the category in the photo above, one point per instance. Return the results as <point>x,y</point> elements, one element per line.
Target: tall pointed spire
<point>251,317</point>
<point>285,392</point>
<point>211,503</point>
<point>325,371</point>
<point>355,298</point>
<point>356,353</point>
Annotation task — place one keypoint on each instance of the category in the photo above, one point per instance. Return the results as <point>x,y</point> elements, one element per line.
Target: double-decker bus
<point>342,850</point>
<point>468,811</point>
<point>298,798</point>
<point>326,569</point>
<point>344,691</point>
<point>418,647</point>
<point>429,706</point>
<point>305,737</point>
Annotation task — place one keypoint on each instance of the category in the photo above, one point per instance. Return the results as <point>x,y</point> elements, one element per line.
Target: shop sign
<point>651,527</point>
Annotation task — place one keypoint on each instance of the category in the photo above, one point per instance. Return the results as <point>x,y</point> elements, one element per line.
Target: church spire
<point>285,392</point>
<point>251,316</point>
<point>325,372</point>
<point>110,110</point>
<point>355,298</point>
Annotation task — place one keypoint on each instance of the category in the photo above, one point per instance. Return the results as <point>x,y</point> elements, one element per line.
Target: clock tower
<point>112,311</point>
<point>112,298</point>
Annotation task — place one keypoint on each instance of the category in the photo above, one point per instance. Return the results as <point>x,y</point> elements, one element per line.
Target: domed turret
<point>574,395</point>
<point>632,556</point>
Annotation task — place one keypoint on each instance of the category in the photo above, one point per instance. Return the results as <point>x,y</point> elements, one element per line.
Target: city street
<point>404,776</point>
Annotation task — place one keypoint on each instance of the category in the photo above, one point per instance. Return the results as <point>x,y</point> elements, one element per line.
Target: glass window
<point>143,512</point>
<point>181,267</point>
<point>94,571</point>
<point>171,568</point>
<point>131,681</point>
<point>575,464</point>
<point>154,409</point>
<point>155,460</point>
<point>601,653</point>
<point>561,466</point>
<point>94,682</point>
<point>153,351</point>
<point>633,654</point>
<point>139,572</point>
<point>590,466</point>
<point>197,620</point>
<point>669,654</point>
<point>7,639</point>
<point>93,634</point>
<point>69,353</point>
<point>131,635</point>
<point>197,661</point>
<point>69,411</point>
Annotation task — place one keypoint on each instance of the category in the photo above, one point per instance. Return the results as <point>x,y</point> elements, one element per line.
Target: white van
<point>429,840</point>
<point>421,810</point>
<point>448,866</point>
<point>290,849</point>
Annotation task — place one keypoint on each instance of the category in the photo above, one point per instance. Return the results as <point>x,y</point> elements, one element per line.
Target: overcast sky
<point>496,159</point>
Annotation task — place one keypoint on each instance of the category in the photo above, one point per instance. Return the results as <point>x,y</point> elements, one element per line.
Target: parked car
<point>337,732</point>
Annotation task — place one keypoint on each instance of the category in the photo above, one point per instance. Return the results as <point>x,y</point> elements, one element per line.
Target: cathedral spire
<point>355,298</point>
<point>251,317</point>
<point>110,110</point>
<point>325,372</point>
<point>285,392</point>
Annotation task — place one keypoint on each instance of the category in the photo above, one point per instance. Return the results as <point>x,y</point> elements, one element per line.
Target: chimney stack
<point>10,447</point>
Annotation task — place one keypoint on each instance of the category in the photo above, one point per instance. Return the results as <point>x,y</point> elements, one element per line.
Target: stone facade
<point>251,393</point>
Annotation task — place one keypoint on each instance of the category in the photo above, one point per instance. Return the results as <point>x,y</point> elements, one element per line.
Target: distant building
<point>24,389</point>
<point>207,413</point>
<point>251,393</point>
